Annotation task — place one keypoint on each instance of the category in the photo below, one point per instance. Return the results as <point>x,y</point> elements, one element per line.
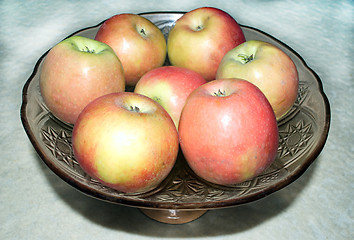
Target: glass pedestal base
<point>172,216</point>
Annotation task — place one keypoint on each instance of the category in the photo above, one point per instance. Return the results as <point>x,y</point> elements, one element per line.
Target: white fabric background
<point>36,204</point>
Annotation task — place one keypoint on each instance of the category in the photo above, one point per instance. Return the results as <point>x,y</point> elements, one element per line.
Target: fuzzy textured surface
<point>36,204</point>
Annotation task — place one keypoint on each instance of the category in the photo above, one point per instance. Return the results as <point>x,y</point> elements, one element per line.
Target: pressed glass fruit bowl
<point>183,196</point>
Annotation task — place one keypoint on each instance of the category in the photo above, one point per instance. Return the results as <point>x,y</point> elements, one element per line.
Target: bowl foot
<point>173,216</point>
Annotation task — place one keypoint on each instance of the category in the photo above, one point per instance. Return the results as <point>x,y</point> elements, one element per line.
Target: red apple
<point>76,71</point>
<point>170,86</point>
<point>139,44</point>
<point>228,132</point>
<point>201,38</point>
<point>126,141</point>
<point>266,66</point>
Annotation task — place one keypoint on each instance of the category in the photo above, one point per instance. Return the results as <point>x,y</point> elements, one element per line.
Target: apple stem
<point>245,59</point>
<point>220,93</point>
<point>198,28</point>
<point>142,31</point>
<point>134,109</point>
<point>157,99</point>
<point>86,49</point>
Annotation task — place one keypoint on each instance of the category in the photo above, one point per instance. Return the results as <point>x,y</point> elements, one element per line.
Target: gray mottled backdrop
<point>36,204</point>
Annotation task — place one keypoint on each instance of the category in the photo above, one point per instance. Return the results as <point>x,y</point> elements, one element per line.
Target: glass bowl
<point>183,196</point>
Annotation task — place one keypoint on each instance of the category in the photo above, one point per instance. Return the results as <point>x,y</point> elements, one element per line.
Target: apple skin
<point>230,138</point>
<point>200,38</point>
<point>72,76</point>
<point>139,44</point>
<point>126,141</point>
<point>271,70</point>
<point>170,86</point>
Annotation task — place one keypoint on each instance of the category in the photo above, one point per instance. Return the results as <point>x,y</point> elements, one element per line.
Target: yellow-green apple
<point>76,71</point>
<point>170,86</point>
<point>139,44</point>
<point>126,141</point>
<point>228,131</point>
<point>266,66</point>
<point>200,38</point>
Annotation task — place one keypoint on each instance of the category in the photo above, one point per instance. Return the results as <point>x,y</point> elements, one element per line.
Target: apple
<point>169,86</point>
<point>139,44</point>
<point>76,71</point>
<point>126,141</point>
<point>267,67</point>
<point>228,131</point>
<point>200,38</point>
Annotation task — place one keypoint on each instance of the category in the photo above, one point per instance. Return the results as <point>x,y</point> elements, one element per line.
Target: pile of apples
<point>218,101</point>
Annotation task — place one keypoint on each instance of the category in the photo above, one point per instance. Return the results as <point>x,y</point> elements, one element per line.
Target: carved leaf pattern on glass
<point>294,139</point>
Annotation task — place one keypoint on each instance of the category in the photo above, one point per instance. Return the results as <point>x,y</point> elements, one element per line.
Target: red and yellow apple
<point>266,66</point>
<point>228,131</point>
<point>200,38</point>
<point>76,71</point>
<point>170,86</point>
<point>126,141</point>
<point>139,44</point>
